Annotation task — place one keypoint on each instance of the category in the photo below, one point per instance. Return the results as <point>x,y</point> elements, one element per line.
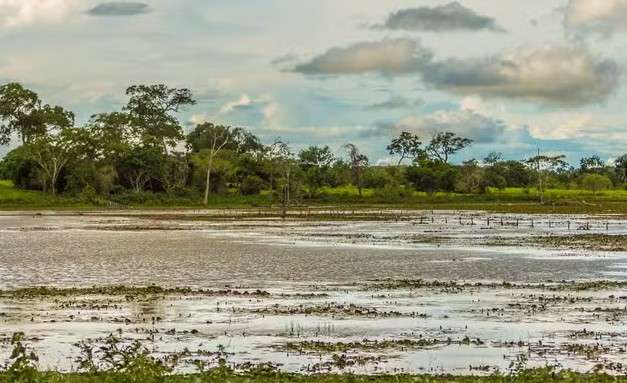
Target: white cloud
<point>604,17</point>
<point>18,13</point>
<point>388,56</point>
<point>243,102</point>
<point>586,127</point>
<point>464,123</point>
<point>566,75</point>
<point>563,75</point>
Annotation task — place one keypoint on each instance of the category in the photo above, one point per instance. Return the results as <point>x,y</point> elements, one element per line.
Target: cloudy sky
<point>511,75</point>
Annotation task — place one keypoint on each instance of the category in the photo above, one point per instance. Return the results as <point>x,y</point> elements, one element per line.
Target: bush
<point>251,185</point>
<point>596,182</point>
<point>89,195</point>
<point>377,178</point>
<point>392,193</point>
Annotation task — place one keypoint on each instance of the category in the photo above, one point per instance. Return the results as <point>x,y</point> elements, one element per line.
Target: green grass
<point>14,198</point>
<point>225,376</point>
<point>511,200</point>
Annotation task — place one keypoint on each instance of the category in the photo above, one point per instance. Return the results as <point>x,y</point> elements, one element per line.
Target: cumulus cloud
<point>604,17</point>
<point>396,102</point>
<point>17,13</point>
<point>591,128</point>
<point>119,8</point>
<point>242,103</point>
<point>449,17</point>
<point>389,56</point>
<point>263,110</point>
<point>564,75</point>
<point>466,123</point>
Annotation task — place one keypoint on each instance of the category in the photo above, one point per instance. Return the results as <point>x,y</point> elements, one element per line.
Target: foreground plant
<point>114,361</point>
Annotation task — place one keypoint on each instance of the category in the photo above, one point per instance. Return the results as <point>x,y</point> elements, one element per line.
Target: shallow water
<point>337,259</point>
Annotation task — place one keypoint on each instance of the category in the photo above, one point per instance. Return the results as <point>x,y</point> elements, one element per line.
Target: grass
<point>226,376</point>
<point>511,200</point>
<point>12,197</point>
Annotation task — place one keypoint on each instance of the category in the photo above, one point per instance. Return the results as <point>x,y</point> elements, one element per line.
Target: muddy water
<point>335,261</point>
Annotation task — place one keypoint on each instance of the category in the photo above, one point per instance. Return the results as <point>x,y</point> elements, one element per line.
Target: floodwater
<point>324,281</point>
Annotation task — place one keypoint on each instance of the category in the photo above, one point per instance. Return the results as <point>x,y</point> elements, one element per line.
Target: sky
<point>513,76</point>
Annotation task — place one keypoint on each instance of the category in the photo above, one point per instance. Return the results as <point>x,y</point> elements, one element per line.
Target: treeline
<point>141,151</point>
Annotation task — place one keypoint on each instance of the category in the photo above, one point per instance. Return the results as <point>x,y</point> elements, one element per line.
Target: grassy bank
<point>512,200</point>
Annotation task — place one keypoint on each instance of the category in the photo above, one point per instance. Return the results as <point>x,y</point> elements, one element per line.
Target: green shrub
<point>251,185</point>
<point>596,182</point>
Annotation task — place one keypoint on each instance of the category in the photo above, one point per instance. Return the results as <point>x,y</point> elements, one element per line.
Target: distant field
<point>513,200</point>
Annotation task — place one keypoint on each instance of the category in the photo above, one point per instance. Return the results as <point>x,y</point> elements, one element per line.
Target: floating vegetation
<point>594,242</point>
<point>362,346</point>
<point>128,292</point>
<point>332,309</point>
<point>452,286</point>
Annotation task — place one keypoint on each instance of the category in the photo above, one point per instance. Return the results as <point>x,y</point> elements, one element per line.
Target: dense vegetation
<point>140,155</point>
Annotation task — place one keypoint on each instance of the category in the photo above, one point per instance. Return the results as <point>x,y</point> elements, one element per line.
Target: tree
<point>23,114</point>
<point>112,136</point>
<point>140,165</point>
<point>471,178</point>
<point>444,145</point>
<point>493,158</point>
<point>315,162</point>
<point>19,109</point>
<point>620,167</point>
<point>591,164</point>
<point>357,163</point>
<point>406,146</point>
<point>174,172</point>
<point>543,165</point>
<point>431,176</point>
<point>596,182</point>
<point>53,151</point>
<point>214,138</point>
<point>279,159</point>
<point>152,109</point>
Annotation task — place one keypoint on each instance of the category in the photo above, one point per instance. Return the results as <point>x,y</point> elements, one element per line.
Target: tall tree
<point>620,167</point>
<point>140,165</point>
<point>358,162</point>
<point>112,136</point>
<point>493,158</point>
<point>405,146</point>
<point>53,151</point>
<point>444,145</point>
<point>23,114</point>
<point>591,164</point>
<point>152,110</point>
<point>316,162</point>
<point>212,139</point>
<point>279,158</point>
<point>543,165</point>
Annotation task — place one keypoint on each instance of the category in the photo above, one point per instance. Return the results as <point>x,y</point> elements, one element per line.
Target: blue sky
<point>512,75</point>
